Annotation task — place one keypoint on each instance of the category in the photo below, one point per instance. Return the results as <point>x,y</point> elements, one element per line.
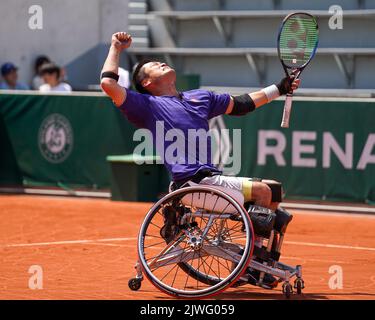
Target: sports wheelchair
<point>198,241</point>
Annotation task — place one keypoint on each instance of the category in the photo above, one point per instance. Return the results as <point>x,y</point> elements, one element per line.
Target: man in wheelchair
<point>157,99</point>
<point>265,213</point>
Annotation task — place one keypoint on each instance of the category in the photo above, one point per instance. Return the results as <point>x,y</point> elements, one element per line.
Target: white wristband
<point>271,92</point>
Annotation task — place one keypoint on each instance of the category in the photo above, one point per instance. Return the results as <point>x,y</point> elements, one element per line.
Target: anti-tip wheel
<point>299,285</point>
<point>287,290</point>
<point>134,284</point>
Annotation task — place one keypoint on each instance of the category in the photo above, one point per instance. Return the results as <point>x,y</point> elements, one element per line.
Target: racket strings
<point>298,39</point>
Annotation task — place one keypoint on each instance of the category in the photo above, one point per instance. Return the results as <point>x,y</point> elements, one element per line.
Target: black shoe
<point>282,220</point>
<point>169,230</point>
<point>269,281</point>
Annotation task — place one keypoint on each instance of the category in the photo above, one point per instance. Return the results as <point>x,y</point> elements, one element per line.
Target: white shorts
<point>239,188</point>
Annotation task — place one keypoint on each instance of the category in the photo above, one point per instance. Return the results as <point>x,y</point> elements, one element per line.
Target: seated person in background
<point>37,80</point>
<point>51,76</point>
<point>124,80</point>
<point>10,76</point>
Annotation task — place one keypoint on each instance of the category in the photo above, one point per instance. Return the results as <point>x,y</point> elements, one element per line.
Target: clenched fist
<point>121,40</point>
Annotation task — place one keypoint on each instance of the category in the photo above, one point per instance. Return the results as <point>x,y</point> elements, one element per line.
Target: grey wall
<point>264,4</point>
<point>261,32</point>
<point>73,30</point>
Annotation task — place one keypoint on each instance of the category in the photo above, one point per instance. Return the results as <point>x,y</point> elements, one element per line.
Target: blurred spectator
<point>10,76</point>
<point>37,79</point>
<point>123,80</point>
<point>51,76</point>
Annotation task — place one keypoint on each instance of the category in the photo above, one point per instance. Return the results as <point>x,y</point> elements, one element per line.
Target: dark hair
<point>39,61</point>
<point>50,68</point>
<point>137,76</point>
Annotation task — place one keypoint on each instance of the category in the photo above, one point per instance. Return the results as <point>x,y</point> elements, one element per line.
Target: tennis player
<point>157,99</point>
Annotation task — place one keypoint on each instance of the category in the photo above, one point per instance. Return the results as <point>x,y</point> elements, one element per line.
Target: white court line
<point>54,192</point>
<point>38,244</point>
<point>112,245</point>
<point>314,260</point>
<point>284,257</point>
<point>308,212</point>
<point>312,244</point>
<point>326,207</point>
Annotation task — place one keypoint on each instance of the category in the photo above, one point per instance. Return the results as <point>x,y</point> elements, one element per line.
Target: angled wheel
<point>190,240</point>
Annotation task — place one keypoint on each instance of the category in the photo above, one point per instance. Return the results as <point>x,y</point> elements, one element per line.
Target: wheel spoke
<point>152,236</point>
<point>154,244</point>
<point>187,277</point>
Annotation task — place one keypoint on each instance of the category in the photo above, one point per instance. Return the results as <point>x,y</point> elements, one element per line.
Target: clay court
<point>87,250</point>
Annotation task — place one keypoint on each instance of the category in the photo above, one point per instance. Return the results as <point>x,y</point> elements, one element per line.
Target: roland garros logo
<point>55,138</point>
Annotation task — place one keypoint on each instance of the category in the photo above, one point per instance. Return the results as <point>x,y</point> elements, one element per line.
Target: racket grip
<point>287,111</point>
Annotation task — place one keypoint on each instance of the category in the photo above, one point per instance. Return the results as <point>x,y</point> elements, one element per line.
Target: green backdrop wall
<point>58,140</point>
<point>327,153</point>
<point>93,126</point>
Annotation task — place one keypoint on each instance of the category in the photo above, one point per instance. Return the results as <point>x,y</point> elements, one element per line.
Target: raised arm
<point>120,41</point>
<point>249,102</point>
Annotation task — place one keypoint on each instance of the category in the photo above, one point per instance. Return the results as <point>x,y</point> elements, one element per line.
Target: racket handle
<point>287,111</point>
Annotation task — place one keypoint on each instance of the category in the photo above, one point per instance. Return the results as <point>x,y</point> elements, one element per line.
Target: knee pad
<point>263,220</point>
<point>282,220</point>
<point>277,191</point>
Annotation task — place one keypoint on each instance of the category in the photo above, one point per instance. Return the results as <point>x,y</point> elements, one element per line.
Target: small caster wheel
<point>299,271</point>
<point>134,284</point>
<point>287,289</point>
<point>299,285</point>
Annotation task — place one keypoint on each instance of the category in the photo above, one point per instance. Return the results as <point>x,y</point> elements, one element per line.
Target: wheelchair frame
<point>173,254</point>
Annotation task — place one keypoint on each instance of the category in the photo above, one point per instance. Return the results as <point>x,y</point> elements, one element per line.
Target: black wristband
<point>110,74</point>
<point>242,105</point>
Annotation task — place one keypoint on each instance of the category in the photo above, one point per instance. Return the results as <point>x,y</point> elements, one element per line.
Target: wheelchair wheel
<point>195,242</point>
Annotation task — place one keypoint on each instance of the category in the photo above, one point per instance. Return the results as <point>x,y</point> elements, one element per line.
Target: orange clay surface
<point>87,250</point>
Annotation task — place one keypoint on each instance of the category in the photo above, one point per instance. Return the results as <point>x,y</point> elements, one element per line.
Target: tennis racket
<point>297,44</point>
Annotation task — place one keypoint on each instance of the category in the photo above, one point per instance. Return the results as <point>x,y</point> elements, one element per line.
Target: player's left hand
<point>288,84</point>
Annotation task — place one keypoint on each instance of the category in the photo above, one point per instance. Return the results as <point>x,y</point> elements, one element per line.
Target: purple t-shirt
<point>174,123</point>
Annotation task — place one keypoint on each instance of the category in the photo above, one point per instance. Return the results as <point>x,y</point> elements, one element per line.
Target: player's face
<point>157,72</point>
